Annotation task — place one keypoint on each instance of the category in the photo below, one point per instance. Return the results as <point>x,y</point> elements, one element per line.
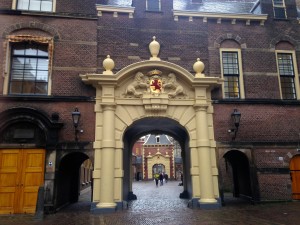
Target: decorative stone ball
<point>198,66</point>
<point>154,47</point>
<point>108,63</point>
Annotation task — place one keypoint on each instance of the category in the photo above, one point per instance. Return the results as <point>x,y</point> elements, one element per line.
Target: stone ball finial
<point>199,68</point>
<point>154,48</point>
<point>108,65</point>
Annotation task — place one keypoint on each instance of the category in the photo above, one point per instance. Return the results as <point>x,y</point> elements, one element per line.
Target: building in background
<point>156,154</point>
<point>84,80</point>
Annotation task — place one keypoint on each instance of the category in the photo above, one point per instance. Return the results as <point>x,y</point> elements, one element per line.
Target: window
<point>279,9</point>
<point>286,71</point>
<point>153,5</point>
<point>231,71</point>
<point>29,69</point>
<point>35,5</point>
<point>157,139</point>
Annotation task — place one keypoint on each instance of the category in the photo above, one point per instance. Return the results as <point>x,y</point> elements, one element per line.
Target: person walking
<point>156,177</point>
<point>181,178</point>
<point>161,178</point>
<point>166,177</point>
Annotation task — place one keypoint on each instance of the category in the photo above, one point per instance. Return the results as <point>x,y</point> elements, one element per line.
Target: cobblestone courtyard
<point>161,205</point>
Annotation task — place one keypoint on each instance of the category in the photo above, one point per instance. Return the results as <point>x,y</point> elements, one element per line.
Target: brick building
<point>54,59</point>
<point>154,154</point>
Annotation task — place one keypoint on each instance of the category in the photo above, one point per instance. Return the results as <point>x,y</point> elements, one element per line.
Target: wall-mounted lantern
<point>76,117</point>
<point>236,117</point>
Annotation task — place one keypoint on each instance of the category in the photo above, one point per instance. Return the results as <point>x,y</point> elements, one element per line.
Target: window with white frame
<point>29,69</point>
<point>35,5</point>
<point>232,74</point>
<point>279,9</point>
<point>153,5</point>
<point>287,74</point>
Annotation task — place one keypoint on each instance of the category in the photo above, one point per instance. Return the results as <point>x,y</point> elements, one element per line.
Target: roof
<point>214,6</point>
<point>163,140</point>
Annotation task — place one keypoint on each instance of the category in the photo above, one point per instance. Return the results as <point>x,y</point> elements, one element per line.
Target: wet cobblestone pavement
<point>161,205</point>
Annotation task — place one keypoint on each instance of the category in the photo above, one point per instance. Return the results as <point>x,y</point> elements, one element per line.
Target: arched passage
<point>68,178</point>
<point>156,125</point>
<point>147,97</point>
<point>237,173</point>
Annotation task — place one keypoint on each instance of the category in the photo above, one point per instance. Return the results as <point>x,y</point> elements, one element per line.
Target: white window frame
<point>147,7</point>
<point>279,6</point>
<point>241,77</point>
<point>15,2</point>
<point>296,81</point>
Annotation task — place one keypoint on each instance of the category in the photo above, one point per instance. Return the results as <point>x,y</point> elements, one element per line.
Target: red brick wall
<point>259,122</point>
<point>76,6</point>
<point>5,4</point>
<point>274,187</point>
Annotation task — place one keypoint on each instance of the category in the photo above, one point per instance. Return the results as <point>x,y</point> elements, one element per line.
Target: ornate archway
<point>152,89</point>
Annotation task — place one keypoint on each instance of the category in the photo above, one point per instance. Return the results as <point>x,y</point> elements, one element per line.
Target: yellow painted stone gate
<point>149,96</point>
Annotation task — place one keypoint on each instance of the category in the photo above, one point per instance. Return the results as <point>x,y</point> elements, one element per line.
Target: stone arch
<point>229,36</point>
<point>286,38</point>
<point>236,174</point>
<point>121,75</point>
<point>116,112</point>
<point>32,25</point>
<point>49,127</point>
<point>148,125</point>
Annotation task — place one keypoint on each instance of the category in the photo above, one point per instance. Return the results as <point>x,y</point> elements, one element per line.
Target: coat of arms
<point>155,84</point>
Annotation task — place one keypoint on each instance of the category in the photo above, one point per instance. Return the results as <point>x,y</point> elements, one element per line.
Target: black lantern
<point>236,117</point>
<point>76,117</point>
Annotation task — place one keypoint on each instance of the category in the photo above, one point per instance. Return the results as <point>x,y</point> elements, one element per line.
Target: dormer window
<point>157,138</point>
<point>153,5</point>
<point>35,5</point>
<point>279,9</point>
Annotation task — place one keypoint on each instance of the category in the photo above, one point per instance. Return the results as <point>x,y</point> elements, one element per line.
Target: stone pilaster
<point>107,159</point>
<point>204,156</point>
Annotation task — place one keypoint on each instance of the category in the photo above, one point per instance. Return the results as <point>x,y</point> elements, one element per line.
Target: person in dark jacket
<point>166,177</point>
<point>161,179</point>
<point>156,178</point>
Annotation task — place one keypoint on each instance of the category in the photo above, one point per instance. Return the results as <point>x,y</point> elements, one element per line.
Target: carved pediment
<point>156,83</point>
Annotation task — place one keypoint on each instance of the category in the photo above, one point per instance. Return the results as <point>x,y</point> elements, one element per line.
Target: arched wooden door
<point>295,177</point>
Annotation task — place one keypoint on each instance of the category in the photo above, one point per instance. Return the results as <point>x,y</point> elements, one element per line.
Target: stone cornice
<point>115,10</point>
<point>248,17</point>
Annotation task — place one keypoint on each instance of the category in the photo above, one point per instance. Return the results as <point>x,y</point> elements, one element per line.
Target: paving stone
<point>162,205</point>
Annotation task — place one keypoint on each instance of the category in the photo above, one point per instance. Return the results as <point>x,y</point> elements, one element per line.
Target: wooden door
<point>295,177</point>
<point>21,174</point>
<point>9,168</point>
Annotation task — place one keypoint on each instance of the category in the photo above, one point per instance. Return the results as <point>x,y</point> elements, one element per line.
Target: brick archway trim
<point>287,38</point>
<point>229,36</point>
<point>32,25</point>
